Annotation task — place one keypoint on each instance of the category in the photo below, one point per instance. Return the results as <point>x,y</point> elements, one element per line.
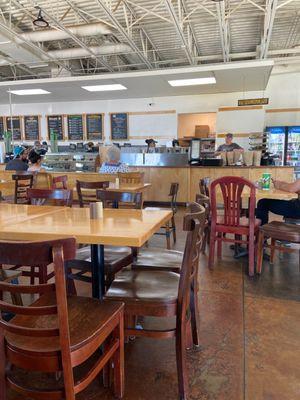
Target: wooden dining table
<point>118,227</point>
<point>272,193</point>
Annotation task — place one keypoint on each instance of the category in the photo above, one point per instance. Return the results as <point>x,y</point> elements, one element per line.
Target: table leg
<point>97,258</point>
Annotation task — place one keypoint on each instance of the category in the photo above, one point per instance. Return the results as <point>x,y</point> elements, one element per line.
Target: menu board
<point>75,127</point>
<point>13,124</point>
<point>1,128</point>
<point>119,126</point>
<point>55,124</point>
<point>32,127</point>
<point>94,126</point>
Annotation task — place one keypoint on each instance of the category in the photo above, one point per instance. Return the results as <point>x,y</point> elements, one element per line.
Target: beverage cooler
<point>283,144</point>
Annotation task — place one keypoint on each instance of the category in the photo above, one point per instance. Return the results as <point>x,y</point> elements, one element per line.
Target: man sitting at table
<point>113,164</point>
<point>286,208</point>
<point>20,160</point>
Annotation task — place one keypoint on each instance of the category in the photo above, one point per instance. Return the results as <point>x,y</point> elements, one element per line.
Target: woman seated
<point>35,162</point>
<point>113,164</point>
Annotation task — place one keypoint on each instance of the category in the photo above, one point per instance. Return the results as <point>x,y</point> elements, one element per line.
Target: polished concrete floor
<point>250,338</point>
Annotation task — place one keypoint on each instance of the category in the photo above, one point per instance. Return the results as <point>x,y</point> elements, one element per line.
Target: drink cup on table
<point>266,181</point>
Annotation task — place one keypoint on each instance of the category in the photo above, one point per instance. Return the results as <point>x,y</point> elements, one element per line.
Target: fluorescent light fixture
<point>193,82</point>
<point>28,92</point>
<point>104,88</point>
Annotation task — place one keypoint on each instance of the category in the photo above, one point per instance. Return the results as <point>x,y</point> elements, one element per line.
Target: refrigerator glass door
<point>276,143</point>
<point>293,146</point>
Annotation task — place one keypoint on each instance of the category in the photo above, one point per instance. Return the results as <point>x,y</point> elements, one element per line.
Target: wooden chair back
<point>112,199</point>
<point>60,182</point>
<point>37,254</point>
<point>131,177</point>
<point>23,181</point>
<point>204,186</point>
<point>41,180</point>
<point>89,196</point>
<point>231,188</point>
<point>57,197</point>
<point>193,224</point>
<point>173,196</point>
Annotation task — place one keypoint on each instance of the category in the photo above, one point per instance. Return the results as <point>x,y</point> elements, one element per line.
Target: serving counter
<point>162,177</point>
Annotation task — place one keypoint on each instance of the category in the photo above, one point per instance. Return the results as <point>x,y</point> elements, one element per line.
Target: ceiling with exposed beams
<point>144,35</point>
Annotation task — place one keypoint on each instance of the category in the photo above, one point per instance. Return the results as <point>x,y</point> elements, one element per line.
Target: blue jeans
<point>286,208</point>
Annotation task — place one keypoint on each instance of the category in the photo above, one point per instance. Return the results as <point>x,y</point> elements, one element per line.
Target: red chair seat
<point>244,221</point>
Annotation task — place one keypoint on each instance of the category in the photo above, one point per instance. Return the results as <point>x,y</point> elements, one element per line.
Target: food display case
<point>70,162</point>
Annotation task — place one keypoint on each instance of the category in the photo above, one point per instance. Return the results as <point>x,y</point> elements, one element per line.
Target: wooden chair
<point>57,197</point>
<point>165,294</point>
<point>231,188</point>
<point>60,182</point>
<point>23,181</point>
<point>112,199</point>
<point>170,228</point>
<point>277,231</point>
<point>88,195</point>
<point>204,186</point>
<point>56,332</point>
<point>6,275</point>
<point>131,177</point>
<point>115,257</point>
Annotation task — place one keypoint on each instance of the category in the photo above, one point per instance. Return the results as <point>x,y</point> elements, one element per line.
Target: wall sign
<point>55,123</point>
<point>253,102</point>
<point>119,126</point>
<point>13,124</point>
<point>32,127</point>
<point>94,126</point>
<point>75,127</point>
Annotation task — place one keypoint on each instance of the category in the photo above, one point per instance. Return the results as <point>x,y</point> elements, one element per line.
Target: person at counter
<point>19,162</point>
<point>285,208</point>
<point>229,145</point>
<point>151,144</point>
<point>113,164</point>
<point>35,162</point>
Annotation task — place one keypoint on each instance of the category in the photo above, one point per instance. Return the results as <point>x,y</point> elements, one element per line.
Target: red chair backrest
<point>231,188</point>
<point>56,180</point>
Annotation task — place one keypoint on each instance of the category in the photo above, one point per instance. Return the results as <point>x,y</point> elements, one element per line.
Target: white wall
<point>283,91</point>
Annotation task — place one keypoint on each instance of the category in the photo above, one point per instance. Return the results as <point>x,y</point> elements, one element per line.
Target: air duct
<point>78,52</point>
<point>46,35</point>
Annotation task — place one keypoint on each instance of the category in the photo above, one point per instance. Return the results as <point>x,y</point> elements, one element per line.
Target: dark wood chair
<point>56,197</point>
<point>115,258</point>
<point>23,181</point>
<point>114,199</point>
<point>232,222</point>
<point>170,228</point>
<point>204,186</point>
<point>204,201</point>
<point>131,177</point>
<point>88,194</point>
<point>165,294</point>
<point>277,231</point>
<point>60,182</point>
<point>56,332</point>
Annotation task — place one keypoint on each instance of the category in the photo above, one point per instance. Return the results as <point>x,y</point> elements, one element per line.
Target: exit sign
<point>253,102</point>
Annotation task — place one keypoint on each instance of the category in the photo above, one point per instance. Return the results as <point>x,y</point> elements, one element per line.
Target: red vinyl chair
<point>231,222</point>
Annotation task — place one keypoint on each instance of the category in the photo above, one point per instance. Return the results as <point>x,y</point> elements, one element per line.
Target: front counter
<point>187,177</point>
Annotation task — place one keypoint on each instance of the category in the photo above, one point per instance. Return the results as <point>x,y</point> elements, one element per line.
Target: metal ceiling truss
<point>126,33</point>
<point>223,21</point>
<point>270,11</point>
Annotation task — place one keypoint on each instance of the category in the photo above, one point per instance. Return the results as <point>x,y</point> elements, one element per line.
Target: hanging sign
<point>254,102</point>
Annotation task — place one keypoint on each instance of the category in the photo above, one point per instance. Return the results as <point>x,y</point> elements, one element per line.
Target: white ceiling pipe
<point>78,52</point>
<point>46,35</point>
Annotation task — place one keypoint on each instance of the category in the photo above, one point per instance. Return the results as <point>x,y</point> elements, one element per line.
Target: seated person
<point>19,162</point>
<point>35,162</point>
<point>113,164</point>
<point>286,208</point>
<point>229,145</point>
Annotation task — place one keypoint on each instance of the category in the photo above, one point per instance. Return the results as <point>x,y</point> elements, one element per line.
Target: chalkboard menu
<point>13,124</point>
<point>119,126</point>
<point>1,128</point>
<point>94,126</point>
<point>75,127</point>
<point>32,127</point>
<point>56,125</point>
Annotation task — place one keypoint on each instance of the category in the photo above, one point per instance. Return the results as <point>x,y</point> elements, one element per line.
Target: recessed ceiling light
<point>193,82</point>
<point>104,88</point>
<point>28,92</point>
